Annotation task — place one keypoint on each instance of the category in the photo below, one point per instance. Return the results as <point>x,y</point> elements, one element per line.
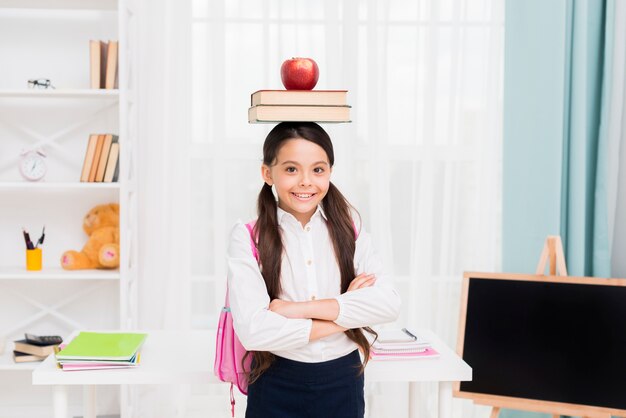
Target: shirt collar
<point>282,215</point>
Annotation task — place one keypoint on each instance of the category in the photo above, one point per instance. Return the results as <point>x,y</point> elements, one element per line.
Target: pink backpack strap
<point>255,251</point>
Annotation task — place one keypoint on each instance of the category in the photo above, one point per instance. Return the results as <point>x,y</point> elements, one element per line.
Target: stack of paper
<point>395,344</point>
<point>98,350</point>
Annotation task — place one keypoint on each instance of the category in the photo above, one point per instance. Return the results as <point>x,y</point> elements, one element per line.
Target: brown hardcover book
<point>96,158</point>
<point>104,156</point>
<point>277,113</point>
<point>104,47</point>
<point>111,71</point>
<point>91,150</point>
<point>300,97</point>
<point>37,350</point>
<point>94,64</point>
<point>26,358</point>
<point>112,170</point>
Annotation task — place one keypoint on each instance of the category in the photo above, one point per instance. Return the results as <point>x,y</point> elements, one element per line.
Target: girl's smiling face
<point>301,176</point>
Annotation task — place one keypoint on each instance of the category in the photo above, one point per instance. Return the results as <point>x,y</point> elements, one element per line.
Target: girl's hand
<point>285,308</point>
<point>361,281</point>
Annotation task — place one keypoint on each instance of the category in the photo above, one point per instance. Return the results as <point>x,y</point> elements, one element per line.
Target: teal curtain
<point>556,95</point>
<point>557,61</point>
<point>584,213</point>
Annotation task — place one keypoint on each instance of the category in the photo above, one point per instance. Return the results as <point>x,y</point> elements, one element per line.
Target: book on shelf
<point>112,171</point>
<point>299,97</point>
<point>104,156</point>
<point>104,47</point>
<point>289,113</point>
<point>89,154</point>
<point>97,63</point>
<point>20,357</point>
<point>111,66</point>
<point>37,350</point>
<point>103,64</point>
<point>101,159</point>
<point>96,158</point>
<point>94,63</point>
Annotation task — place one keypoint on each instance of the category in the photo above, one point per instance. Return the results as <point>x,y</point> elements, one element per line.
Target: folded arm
<point>324,309</point>
<point>370,299</point>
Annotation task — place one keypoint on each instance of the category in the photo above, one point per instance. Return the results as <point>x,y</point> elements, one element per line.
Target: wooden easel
<point>553,253</point>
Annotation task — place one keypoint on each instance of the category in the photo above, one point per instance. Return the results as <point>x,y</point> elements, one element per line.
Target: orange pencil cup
<point>33,259</point>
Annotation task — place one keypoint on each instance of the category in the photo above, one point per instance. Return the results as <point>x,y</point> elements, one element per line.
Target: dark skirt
<point>292,389</point>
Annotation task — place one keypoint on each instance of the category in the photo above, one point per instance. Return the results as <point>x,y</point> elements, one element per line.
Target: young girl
<point>318,283</point>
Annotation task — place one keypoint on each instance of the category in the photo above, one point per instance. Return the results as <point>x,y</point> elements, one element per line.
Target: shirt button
<point>307,229</point>
<point>313,297</point>
<point>309,262</point>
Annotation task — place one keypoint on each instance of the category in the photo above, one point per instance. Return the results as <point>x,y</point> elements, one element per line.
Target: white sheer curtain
<point>421,160</point>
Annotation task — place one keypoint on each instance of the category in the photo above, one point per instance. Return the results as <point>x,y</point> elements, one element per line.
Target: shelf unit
<point>50,39</point>
<point>65,93</point>
<point>20,185</point>
<point>57,273</point>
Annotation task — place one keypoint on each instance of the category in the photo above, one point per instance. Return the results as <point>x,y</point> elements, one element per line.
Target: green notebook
<point>102,346</point>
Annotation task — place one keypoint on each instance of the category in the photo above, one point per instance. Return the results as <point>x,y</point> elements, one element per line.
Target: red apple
<point>299,74</point>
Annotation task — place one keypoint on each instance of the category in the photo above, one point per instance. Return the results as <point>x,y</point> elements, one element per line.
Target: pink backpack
<point>229,363</point>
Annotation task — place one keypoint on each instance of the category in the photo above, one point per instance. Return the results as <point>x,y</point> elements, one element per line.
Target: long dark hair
<point>270,245</point>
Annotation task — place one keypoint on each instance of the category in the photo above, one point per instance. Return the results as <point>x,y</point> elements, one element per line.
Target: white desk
<point>187,358</point>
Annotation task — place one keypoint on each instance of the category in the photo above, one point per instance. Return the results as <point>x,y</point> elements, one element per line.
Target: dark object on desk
<point>559,341</point>
<point>43,340</point>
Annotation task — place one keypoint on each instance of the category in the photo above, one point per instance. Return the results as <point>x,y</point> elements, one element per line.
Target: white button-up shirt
<point>309,271</point>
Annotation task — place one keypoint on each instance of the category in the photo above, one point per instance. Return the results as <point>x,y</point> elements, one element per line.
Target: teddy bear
<point>102,250</point>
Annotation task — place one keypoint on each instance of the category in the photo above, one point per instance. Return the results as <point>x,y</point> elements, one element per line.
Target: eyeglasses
<point>40,83</point>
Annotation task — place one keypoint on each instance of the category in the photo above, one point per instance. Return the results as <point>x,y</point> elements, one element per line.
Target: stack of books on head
<point>98,350</point>
<point>299,106</point>
<point>34,348</point>
<point>395,344</point>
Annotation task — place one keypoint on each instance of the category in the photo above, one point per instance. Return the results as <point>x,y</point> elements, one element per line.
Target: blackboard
<point>554,339</point>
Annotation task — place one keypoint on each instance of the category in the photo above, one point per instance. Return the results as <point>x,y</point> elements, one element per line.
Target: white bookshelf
<point>63,93</point>
<point>56,273</point>
<point>50,39</point>
<point>60,185</point>
<point>60,4</point>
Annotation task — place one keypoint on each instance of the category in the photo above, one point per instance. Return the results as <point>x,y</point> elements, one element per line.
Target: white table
<point>186,357</point>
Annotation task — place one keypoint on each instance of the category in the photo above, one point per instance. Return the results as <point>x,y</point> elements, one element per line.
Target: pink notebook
<point>428,353</point>
<point>95,366</point>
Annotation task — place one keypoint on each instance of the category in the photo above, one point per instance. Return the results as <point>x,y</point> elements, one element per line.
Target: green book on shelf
<point>102,346</point>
